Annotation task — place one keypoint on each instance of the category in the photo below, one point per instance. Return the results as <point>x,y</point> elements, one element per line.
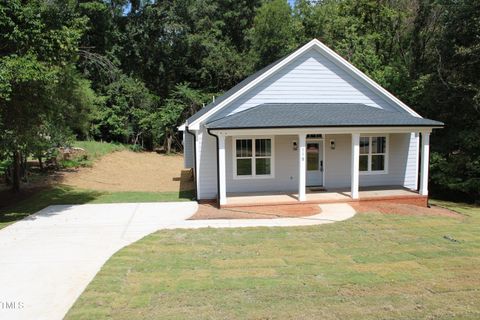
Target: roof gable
<point>269,71</point>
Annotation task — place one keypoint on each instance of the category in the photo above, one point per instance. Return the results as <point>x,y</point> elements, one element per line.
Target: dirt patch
<point>403,209</point>
<point>132,171</point>
<point>209,211</point>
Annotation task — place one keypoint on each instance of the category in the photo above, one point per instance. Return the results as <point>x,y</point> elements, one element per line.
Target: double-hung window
<point>373,154</point>
<point>253,157</point>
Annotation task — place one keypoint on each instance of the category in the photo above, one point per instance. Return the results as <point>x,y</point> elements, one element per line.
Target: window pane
<point>263,147</point>
<point>378,144</point>
<point>364,143</point>
<point>244,148</point>
<point>312,156</point>
<point>244,167</point>
<point>363,165</point>
<point>262,166</point>
<point>378,162</point>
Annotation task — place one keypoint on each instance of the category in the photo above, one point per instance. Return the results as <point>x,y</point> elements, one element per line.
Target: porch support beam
<point>302,166</point>
<point>221,170</point>
<point>425,163</point>
<point>355,165</point>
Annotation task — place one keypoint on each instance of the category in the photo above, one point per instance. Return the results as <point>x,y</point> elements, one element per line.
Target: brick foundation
<point>417,200</point>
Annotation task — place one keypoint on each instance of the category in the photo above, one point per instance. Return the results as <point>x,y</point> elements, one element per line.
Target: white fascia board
<point>320,130</point>
<point>347,66</point>
<point>182,127</point>
<point>196,124</point>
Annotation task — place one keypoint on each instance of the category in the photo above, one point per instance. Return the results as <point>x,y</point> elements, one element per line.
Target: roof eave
<point>332,126</point>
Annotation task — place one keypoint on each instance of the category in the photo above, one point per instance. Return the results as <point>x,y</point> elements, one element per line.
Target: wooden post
<point>355,164</point>
<point>425,163</point>
<point>221,169</point>
<point>302,167</point>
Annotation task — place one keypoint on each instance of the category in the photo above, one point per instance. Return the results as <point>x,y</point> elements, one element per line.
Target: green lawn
<point>68,195</point>
<point>94,150</point>
<point>372,266</point>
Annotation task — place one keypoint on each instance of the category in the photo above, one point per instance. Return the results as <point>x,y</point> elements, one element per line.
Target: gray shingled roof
<point>295,115</point>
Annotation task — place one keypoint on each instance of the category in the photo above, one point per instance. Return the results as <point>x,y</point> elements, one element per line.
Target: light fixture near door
<point>332,144</point>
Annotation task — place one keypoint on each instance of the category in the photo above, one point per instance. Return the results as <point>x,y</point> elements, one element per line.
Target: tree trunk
<point>24,171</point>
<point>17,159</point>
<point>169,143</point>
<point>40,163</point>
<point>8,176</point>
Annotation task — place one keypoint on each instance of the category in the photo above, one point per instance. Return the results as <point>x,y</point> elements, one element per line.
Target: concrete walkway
<point>48,259</point>
<point>331,212</point>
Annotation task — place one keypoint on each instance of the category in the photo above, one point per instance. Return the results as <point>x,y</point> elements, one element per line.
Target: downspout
<point>194,159</point>
<point>218,168</point>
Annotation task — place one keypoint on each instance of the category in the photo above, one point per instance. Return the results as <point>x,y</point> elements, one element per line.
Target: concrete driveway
<point>48,259</point>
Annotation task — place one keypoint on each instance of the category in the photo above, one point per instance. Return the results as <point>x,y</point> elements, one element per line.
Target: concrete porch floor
<point>328,196</point>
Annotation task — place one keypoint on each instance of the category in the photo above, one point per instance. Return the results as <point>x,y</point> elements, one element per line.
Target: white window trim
<point>387,148</point>
<point>253,175</point>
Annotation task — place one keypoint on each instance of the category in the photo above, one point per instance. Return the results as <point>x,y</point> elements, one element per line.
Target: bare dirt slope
<point>132,171</point>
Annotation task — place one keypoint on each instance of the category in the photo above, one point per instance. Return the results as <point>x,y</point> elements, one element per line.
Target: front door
<point>314,163</point>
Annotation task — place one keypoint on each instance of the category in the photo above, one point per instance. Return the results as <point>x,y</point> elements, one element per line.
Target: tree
<point>274,32</point>
<point>183,102</point>
<point>39,45</point>
<point>451,93</point>
<point>125,112</point>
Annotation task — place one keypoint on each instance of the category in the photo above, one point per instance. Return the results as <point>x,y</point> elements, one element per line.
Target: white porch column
<point>355,164</point>
<point>221,170</point>
<point>302,167</point>
<point>425,163</point>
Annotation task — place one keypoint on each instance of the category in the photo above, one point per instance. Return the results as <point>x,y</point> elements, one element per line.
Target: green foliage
<point>96,149</point>
<point>92,150</point>
<point>274,32</point>
<point>125,113</point>
<point>183,102</point>
<point>42,97</point>
<point>450,92</point>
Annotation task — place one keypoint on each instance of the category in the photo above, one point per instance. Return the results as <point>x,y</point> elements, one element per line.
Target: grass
<point>372,266</point>
<point>69,195</point>
<point>97,149</point>
<point>94,150</point>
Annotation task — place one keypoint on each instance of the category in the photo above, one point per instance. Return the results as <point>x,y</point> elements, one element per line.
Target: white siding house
<point>309,120</point>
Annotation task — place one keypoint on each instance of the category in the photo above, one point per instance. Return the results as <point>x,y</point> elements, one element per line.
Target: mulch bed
<point>403,209</point>
<point>209,211</point>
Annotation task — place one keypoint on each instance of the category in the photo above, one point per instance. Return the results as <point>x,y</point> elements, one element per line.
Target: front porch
<point>283,164</point>
<point>383,193</point>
